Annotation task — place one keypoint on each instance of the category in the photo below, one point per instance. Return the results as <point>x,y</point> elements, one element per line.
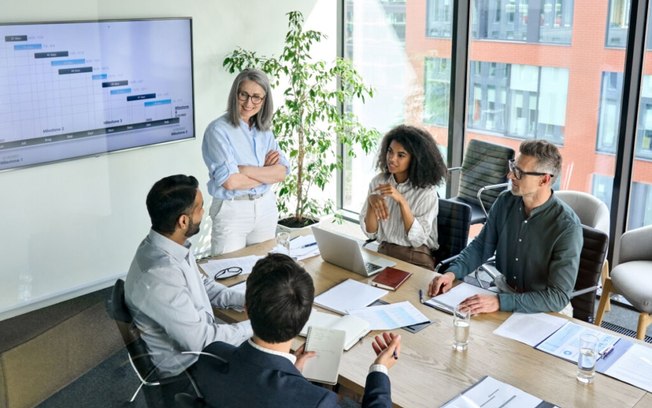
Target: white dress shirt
<point>171,303</point>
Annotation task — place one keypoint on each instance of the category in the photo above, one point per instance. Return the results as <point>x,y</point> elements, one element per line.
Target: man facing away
<point>262,372</point>
<point>536,238</point>
<point>169,299</point>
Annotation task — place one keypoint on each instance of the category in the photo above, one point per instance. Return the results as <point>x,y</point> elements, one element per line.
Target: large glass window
<point>519,86</point>
<point>523,101</point>
<point>545,21</point>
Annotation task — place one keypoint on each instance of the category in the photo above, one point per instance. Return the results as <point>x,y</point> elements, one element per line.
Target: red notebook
<point>390,278</point>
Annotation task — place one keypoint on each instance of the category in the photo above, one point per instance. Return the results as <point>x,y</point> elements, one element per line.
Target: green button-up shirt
<point>539,255</point>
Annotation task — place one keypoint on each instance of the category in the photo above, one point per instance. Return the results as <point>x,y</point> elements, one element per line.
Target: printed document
<point>447,301</point>
<point>634,367</point>
<point>491,393</point>
<point>530,328</point>
<point>565,342</point>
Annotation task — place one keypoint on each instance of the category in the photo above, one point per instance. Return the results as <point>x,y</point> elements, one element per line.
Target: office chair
<point>453,224</point>
<point>592,257</point>
<point>592,212</point>
<point>139,356</point>
<point>632,277</point>
<point>484,176</point>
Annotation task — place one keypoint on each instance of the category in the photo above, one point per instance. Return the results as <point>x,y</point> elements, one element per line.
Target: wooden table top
<point>429,372</point>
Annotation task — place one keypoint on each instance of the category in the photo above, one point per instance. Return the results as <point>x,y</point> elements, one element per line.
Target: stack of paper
<point>349,295</point>
<point>301,247</point>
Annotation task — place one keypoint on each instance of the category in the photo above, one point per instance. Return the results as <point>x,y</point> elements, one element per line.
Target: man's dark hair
<point>168,199</point>
<point>278,298</point>
<point>427,167</point>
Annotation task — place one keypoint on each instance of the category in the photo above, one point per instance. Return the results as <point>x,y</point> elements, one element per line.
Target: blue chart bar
<point>141,97</point>
<point>99,76</point>
<point>50,54</point>
<point>68,62</point>
<point>21,47</point>
<point>80,70</point>
<point>159,102</point>
<point>120,91</point>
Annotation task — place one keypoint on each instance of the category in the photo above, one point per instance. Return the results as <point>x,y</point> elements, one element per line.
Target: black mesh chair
<point>594,252</point>
<point>453,223</point>
<point>484,175</point>
<point>139,356</point>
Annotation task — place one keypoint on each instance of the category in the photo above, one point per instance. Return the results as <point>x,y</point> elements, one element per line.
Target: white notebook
<point>354,327</point>
<point>328,344</point>
<point>349,295</point>
<point>446,302</point>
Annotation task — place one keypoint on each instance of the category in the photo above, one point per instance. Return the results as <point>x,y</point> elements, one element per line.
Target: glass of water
<point>587,357</point>
<point>461,324</point>
<point>283,240</point>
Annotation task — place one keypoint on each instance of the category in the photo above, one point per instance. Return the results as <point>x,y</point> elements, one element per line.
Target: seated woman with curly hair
<point>401,209</point>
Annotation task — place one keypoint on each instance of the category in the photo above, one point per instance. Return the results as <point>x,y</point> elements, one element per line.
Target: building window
<point>610,102</point>
<point>538,21</point>
<point>439,20</point>
<point>524,101</point>
<point>640,205</point>
<point>437,91</point>
<point>618,24</point>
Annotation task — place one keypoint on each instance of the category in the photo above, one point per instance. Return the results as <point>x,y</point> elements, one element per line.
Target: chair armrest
<point>445,263</point>
<point>584,291</point>
<point>489,187</point>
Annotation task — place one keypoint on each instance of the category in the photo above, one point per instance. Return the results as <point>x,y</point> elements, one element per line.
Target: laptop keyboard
<point>371,267</point>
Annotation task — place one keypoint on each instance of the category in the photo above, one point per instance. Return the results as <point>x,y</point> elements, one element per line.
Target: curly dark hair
<point>427,167</point>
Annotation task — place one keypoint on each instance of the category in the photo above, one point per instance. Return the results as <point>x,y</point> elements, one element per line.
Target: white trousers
<point>240,223</point>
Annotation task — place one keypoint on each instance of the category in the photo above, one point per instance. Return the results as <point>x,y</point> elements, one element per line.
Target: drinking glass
<point>283,240</point>
<point>461,324</point>
<point>587,357</point>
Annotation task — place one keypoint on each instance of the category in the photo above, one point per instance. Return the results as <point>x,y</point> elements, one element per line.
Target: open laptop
<point>346,253</point>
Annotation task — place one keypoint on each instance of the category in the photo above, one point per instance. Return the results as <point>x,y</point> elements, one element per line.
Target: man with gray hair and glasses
<point>536,238</point>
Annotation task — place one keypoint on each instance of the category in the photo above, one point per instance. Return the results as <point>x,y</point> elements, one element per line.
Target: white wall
<point>72,227</point>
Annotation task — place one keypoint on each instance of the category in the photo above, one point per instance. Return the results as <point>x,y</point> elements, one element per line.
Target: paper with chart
<point>530,328</point>
<point>214,266</point>
<point>390,316</point>
<point>491,393</point>
<point>564,343</point>
<point>634,367</point>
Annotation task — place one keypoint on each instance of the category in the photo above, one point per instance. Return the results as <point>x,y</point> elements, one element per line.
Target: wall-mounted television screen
<point>74,89</point>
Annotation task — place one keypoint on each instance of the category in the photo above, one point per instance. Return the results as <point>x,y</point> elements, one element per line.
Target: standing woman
<point>243,161</point>
<point>401,209</point>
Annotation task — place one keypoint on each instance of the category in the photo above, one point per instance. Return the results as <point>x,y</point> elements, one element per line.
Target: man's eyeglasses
<point>519,173</point>
<point>229,272</point>
<point>255,99</point>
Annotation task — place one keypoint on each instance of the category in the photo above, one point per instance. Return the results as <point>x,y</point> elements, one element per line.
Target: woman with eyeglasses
<point>244,161</point>
<point>401,209</point>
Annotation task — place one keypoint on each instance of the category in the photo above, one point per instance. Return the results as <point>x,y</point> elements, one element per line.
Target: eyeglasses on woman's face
<point>255,99</point>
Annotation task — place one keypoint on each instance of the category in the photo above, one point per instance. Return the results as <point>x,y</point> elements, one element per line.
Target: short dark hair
<point>279,298</point>
<point>427,167</point>
<point>547,155</point>
<point>168,199</point>
<point>262,119</point>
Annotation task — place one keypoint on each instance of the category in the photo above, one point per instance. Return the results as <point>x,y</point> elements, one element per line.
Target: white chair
<point>632,276</point>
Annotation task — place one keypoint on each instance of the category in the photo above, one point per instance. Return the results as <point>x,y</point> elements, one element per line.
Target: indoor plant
<point>311,123</point>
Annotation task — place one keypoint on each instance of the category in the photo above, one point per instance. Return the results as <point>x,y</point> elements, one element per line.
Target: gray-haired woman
<point>244,161</point>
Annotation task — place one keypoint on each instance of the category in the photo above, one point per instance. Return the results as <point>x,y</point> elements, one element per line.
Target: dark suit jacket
<point>248,377</point>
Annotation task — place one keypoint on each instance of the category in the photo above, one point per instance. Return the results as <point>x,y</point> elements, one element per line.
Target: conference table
<point>429,372</point>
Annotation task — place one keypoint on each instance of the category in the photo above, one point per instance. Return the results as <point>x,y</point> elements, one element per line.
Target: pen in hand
<point>421,296</point>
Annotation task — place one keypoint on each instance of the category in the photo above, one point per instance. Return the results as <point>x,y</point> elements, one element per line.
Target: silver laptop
<point>346,253</point>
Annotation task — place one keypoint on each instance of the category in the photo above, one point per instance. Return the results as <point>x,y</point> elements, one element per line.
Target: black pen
<point>309,245</point>
<point>421,296</point>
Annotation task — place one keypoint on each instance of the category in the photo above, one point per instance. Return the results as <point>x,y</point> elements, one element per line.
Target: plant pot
<point>291,224</point>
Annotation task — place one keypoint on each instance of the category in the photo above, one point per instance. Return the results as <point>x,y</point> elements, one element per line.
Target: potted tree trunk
<point>311,122</point>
